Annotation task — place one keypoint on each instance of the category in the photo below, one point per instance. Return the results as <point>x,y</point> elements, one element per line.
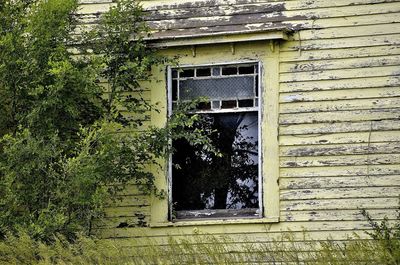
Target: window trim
<point>268,53</point>
<point>259,110</point>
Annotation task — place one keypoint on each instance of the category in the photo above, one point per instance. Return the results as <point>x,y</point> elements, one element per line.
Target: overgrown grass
<point>382,247</point>
<point>207,250</point>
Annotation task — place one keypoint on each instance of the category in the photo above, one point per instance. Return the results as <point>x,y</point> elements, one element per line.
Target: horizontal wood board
<point>339,113</point>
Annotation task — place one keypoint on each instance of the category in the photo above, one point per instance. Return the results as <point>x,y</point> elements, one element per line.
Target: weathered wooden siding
<point>339,122</point>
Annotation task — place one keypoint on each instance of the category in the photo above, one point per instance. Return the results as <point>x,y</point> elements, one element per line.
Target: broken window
<point>204,184</point>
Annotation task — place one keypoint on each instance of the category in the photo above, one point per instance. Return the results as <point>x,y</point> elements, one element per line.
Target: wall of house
<point>339,113</point>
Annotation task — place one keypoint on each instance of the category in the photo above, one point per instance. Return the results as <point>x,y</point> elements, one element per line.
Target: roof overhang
<point>218,37</point>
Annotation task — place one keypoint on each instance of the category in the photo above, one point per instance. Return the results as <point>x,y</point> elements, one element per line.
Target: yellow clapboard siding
<point>351,31</point>
<point>307,5</point>
<point>346,63</point>
<point>339,182</point>
<point>349,42</point>
<point>341,138</point>
<point>341,149</point>
<point>130,190</point>
<point>343,160</point>
<point>351,83</point>
<point>339,22</point>
<point>340,53</point>
<point>340,127</point>
<point>254,232</point>
<point>130,200</point>
<point>340,204</point>
<point>336,193</point>
<point>333,116</point>
<point>351,10</point>
<point>330,171</point>
<point>377,92</point>
<point>341,215</point>
<point>290,4</point>
<point>117,222</point>
<point>340,105</point>
<point>129,211</point>
<point>340,74</point>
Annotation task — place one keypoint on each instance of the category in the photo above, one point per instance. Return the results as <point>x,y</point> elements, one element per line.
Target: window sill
<point>205,222</point>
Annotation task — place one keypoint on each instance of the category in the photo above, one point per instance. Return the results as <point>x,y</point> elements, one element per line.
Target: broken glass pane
<point>205,180</point>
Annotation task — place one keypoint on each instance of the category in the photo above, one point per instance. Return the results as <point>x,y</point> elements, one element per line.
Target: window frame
<point>218,214</point>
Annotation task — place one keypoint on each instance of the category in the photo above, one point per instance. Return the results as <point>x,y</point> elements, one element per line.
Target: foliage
<point>71,132</point>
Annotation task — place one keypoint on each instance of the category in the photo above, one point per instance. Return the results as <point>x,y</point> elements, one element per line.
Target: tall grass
<point>382,248</point>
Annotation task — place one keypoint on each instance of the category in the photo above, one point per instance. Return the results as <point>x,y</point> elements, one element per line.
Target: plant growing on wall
<point>64,146</point>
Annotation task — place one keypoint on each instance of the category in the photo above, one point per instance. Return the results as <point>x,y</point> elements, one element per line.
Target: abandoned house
<point>303,100</point>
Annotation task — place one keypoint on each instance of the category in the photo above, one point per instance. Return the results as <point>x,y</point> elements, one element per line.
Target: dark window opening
<point>229,71</point>
<point>203,72</point>
<point>204,180</point>
<point>246,70</point>
<point>187,73</point>
<point>209,185</point>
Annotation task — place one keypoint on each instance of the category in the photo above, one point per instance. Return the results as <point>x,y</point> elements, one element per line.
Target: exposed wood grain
<point>349,31</point>
<point>214,11</point>
<point>377,92</point>
<point>340,74</point>
<point>339,182</point>
<point>342,149</point>
<point>340,204</point>
<point>342,215</point>
<point>340,160</point>
<point>347,63</point>
<point>330,171</point>
<point>336,193</point>
<point>349,42</point>
<point>340,105</point>
<point>340,138</point>
<point>340,127</point>
<point>334,116</point>
<point>351,83</point>
<point>340,22</point>
<point>340,53</point>
<point>256,232</point>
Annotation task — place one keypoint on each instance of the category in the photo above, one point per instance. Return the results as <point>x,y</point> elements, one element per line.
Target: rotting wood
<point>342,215</point>
<point>340,204</point>
<point>336,193</point>
<point>350,94</point>
<point>348,42</point>
<point>342,149</point>
<point>340,74</point>
<point>345,63</point>
<point>350,83</point>
<point>332,171</point>
<point>340,160</point>
<point>340,105</point>
<point>340,127</point>
<point>340,138</point>
<point>339,182</point>
<point>256,232</point>
<point>340,53</point>
<point>335,116</point>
